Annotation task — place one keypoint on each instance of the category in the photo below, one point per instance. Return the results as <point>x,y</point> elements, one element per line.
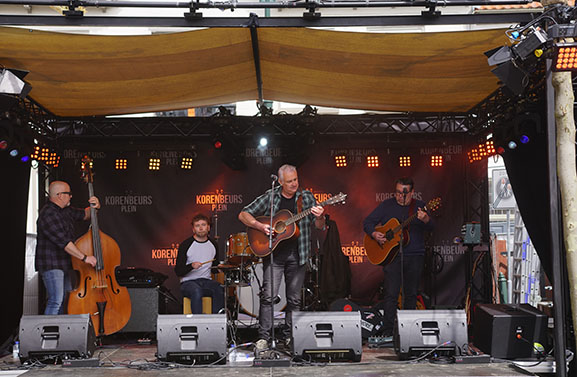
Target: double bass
<point>98,292</point>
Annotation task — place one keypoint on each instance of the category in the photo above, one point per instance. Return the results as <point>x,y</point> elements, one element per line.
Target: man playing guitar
<point>290,255</point>
<point>400,270</point>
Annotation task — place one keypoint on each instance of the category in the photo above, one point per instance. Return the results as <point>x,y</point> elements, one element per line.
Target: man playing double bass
<point>290,255</point>
<point>401,207</point>
<point>55,244</point>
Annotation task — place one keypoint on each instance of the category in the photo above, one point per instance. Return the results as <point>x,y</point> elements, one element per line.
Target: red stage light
<point>436,160</point>
<point>372,161</point>
<point>404,161</point>
<point>340,161</point>
<point>217,144</point>
<point>3,145</point>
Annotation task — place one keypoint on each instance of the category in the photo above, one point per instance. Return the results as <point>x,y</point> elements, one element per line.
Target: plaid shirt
<point>55,230</point>
<point>260,207</point>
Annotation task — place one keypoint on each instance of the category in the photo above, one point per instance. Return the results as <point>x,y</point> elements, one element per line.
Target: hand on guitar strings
<point>422,215</point>
<point>379,237</point>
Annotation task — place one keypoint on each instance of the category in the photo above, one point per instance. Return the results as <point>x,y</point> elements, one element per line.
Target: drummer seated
<point>195,257</point>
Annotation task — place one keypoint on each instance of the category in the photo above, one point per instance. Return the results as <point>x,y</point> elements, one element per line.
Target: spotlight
<point>154,164</point>
<point>341,161</point>
<point>490,147</point>
<point>263,142</point>
<point>512,144</point>
<point>565,57</point>
<point>372,161</point>
<point>25,158</point>
<point>436,160</point>
<point>53,160</point>
<point>121,164</point>
<point>3,144</point>
<point>217,144</point>
<point>186,163</point>
<point>500,150</point>
<point>404,161</point>
<point>524,139</point>
<point>14,152</point>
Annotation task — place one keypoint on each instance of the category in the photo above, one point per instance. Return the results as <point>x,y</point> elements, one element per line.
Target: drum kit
<point>241,275</point>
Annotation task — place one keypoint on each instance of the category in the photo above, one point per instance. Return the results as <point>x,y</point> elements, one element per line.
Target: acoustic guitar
<point>284,227</point>
<point>384,253</point>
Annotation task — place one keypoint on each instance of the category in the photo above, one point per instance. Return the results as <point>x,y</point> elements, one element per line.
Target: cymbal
<point>227,267</point>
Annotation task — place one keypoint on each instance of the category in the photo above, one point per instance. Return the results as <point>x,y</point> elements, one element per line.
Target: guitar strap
<point>300,203</point>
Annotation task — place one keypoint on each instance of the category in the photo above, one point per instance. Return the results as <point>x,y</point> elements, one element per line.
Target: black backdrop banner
<point>148,212</point>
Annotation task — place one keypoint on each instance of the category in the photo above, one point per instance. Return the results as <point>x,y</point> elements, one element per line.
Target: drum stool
<point>206,305</point>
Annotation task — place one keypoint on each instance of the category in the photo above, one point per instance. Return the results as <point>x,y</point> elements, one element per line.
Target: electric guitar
<point>284,227</point>
<point>384,253</point>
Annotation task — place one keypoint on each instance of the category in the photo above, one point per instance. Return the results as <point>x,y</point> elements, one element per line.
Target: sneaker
<point>261,345</point>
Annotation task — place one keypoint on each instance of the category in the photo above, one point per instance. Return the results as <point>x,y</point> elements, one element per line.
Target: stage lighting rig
<point>12,87</point>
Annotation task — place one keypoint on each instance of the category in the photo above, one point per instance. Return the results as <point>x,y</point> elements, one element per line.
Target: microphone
<point>274,177</point>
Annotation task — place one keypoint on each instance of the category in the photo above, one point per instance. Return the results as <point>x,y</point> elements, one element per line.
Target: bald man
<point>55,244</point>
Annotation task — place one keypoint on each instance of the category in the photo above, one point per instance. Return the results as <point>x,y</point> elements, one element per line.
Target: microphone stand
<point>270,237</point>
<point>402,259</point>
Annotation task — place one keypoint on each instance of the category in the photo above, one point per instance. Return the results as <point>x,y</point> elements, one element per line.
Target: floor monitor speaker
<point>48,337</point>
<point>192,338</point>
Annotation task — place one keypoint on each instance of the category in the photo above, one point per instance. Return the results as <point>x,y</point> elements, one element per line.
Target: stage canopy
<point>85,75</point>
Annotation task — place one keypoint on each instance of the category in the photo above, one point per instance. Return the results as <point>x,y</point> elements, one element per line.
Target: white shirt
<point>199,252</point>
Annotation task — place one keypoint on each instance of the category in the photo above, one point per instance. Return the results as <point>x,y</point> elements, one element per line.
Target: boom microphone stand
<point>274,178</point>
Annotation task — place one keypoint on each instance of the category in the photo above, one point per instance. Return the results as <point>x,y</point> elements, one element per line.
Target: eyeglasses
<point>65,192</point>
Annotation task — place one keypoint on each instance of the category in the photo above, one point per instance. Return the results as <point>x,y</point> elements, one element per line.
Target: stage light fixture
<point>263,142</point>
<point>436,160</point>
<point>565,57</point>
<point>217,144</point>
<point>512,144</point>
<point>25,158</point>
<point>340,161</point>
<point>404,161</point>
<point>53,160</point>
<point>490,146</point>
<point>14,152</point>
<point>121,164</point>
<point>154,164</point>
<point>12,86</point>
<point>186,163</point>
<point>3,145</point>
<point>372,161</point>
<point>524,139</point>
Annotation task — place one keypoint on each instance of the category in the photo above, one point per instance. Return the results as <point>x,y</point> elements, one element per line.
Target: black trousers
<point>412,270</point>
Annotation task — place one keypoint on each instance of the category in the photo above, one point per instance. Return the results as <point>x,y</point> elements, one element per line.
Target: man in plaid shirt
<point>290,255</point>
<point>55,244</point>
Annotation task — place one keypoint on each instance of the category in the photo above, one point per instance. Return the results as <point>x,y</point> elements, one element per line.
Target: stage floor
<point>124,357</point>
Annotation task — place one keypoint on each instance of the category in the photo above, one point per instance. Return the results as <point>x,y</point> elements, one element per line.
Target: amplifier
<point>498,326</point>
<point>419,331</point>
<point>56,336</point>
<point>327,335</point>
<point>139,277</point>
<point>192,338</point>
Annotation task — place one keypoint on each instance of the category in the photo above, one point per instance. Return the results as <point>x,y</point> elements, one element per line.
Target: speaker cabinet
<point>419,331</point>
<point>498,326</point>
<point>56,336</point>
<point>146,305</point>
<point>327,335</point>
<point>188,338</point>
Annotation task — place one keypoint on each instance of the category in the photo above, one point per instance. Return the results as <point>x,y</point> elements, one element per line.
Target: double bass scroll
<point>98,292</point>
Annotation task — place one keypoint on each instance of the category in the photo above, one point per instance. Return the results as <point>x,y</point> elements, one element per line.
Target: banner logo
<point>356,253</point>
<point>167,254</point>
<point>357,156</point>
<point>129,202</point>
<point>218,200</point>
<point>263,156</point>
<point>382,196</point>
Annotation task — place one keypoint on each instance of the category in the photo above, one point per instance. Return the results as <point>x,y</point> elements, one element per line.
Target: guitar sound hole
<point>279,227</point>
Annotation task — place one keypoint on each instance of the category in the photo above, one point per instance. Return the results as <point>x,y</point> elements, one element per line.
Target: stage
<point>129,358</point>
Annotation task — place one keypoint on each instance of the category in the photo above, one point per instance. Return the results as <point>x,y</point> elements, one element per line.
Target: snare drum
<point>248,296</point>
<point>238,250</point>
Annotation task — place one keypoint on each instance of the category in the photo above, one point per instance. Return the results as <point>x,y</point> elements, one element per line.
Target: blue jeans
<point>287,263</point>
<point>412,270</point>
<point>196,289</point>
<point>57,284</point>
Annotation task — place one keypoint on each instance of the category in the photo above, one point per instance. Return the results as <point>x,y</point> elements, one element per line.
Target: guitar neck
<point>407,221</point>
<point>299,216</point>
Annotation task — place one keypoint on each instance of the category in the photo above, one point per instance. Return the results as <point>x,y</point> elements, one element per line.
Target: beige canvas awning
<point>84,75</point>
